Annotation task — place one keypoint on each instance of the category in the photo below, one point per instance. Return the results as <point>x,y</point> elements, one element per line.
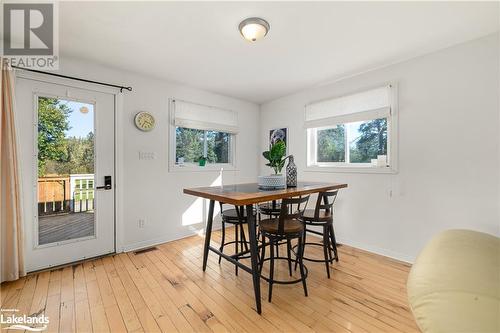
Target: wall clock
<point>144,121</point>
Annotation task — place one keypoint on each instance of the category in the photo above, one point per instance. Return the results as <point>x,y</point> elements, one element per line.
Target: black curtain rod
<point>75,78</point>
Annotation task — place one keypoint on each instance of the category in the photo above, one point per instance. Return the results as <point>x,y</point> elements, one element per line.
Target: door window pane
<point>65,169</point>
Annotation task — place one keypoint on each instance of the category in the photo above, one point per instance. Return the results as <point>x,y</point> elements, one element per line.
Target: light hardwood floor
<point>166,290</point>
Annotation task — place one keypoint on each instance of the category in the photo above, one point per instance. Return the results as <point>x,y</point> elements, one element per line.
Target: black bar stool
<point>322,216</point>
<point>270,209</point>
<point>236,216</point>
<point>287,226</point>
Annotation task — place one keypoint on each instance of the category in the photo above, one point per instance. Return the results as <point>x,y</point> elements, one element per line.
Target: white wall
<point>147,190</point>
<point>448,151</point>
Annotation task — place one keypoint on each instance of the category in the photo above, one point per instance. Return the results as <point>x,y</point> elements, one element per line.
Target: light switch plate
<point>147,155</point>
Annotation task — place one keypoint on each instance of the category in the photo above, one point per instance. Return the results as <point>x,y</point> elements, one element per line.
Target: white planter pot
<point>272,182</point>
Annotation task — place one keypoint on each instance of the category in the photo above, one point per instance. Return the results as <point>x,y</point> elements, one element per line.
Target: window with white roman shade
<point>203,117</point>
<point>353,132</point>
<point>201,137</point>
<point>366,105</point>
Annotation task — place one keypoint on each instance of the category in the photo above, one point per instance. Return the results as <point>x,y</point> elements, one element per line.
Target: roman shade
<point>203,117</point>
<point>366,105</point>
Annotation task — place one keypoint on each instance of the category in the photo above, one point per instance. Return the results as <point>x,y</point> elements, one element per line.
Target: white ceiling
<point>198,43</point>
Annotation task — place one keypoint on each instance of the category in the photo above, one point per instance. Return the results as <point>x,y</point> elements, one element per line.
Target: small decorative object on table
<point>381,161</point>
<point>202,161</point>
<point>291,173</point>
<point>276,157</point>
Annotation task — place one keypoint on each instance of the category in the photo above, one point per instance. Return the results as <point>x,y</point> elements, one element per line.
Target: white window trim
<point>194,167</point>
<point>392,146</point>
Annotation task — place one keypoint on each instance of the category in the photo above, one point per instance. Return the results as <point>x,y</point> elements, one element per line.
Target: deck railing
<point>83,201</point>
<point>55,197</point>
<point>65,206</point>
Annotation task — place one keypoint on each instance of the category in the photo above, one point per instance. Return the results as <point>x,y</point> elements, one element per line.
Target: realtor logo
<point>29,35</point>
<point>34,323</point>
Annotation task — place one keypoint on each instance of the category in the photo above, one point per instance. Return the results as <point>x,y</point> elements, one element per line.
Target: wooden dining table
<point>245,196</point>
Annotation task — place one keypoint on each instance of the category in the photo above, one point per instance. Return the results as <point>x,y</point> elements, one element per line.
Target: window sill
<point>197,168</point>
<point>351,169</point>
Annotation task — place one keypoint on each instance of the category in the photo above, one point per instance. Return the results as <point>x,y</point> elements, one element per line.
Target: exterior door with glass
<point>67,152</point>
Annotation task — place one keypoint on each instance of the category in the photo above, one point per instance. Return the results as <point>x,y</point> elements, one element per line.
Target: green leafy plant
<point>276,156</point>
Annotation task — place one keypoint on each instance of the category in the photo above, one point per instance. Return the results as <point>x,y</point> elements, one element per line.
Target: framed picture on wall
<point>278,134</point>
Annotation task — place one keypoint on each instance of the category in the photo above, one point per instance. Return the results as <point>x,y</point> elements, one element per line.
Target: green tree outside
<point>371,142</point>
<point>58,154</point>
<point>331,144</point>
<point>190,142</point>
<point>52,123</point>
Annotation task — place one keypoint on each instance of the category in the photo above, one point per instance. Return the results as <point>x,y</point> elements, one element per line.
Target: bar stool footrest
<point>311,259</point>
<point>239,242</point>
<point>281,281</point>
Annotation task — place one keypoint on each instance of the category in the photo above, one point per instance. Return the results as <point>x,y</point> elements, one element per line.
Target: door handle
<point>107,184</point>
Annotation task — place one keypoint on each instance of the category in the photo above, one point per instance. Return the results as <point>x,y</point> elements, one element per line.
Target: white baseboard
<point>157,241</point>
<point>373,249</point>
<point>378,250</point>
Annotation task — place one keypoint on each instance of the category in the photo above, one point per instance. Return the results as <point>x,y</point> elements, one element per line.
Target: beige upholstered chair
<point>454,285</point>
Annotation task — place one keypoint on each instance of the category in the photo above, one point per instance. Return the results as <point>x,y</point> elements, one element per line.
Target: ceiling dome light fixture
<point>254,28</point>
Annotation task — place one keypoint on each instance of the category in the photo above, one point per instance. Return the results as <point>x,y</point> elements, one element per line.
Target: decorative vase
<point>291,173</point>
<point>272,182</point>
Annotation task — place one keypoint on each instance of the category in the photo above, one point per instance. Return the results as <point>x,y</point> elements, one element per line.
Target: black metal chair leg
<point>301,264</point>
<point>243,238</point>
<point>223,240</point>
<point>236,246</point>
<point>334,243</point>
<point>271,270</point>
<point>330,245</point>
<point>289,254</point>
<point>304,241</point>
<point>263,254</point>
<point>325,249</point>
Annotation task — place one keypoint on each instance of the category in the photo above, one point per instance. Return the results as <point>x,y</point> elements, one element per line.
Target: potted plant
<point>202,161</point>
<point>276,157</point>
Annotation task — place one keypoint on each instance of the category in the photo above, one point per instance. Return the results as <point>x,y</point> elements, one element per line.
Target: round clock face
<point>144,121</point>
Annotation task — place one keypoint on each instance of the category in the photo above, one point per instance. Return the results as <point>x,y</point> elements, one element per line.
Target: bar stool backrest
<point>274,204</point>
<point>291,208</point>
<point>239,210</point>
<point>325,202</point>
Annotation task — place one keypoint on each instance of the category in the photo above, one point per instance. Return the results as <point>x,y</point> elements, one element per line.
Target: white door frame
<point>118,146</point>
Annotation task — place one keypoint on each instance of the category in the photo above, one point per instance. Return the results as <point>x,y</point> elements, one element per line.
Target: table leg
<point>254,255</point>
<point>208,233</point>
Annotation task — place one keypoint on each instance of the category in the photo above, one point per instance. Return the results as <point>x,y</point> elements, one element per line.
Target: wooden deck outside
<point>57,228</point>
<point>165,290</point>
